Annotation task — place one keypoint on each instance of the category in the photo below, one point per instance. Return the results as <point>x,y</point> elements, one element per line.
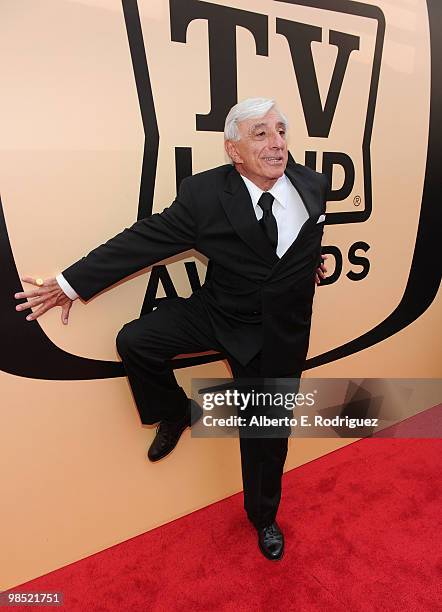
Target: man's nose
<point>277,141</point>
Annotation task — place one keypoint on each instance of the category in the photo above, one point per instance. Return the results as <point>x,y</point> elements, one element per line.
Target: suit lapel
<point>239,210</point>
<point>306,189</point>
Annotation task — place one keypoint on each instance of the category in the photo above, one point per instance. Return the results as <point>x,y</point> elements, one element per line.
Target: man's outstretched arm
<point>144,243</point>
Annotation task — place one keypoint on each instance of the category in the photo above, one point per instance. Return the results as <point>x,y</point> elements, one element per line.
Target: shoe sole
<point>178,439</point>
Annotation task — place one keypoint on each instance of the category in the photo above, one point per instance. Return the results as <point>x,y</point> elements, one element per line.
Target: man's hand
<point>321,271</point>
<point>46,295</point>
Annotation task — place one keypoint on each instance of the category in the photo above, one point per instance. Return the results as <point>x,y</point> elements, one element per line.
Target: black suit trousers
<point>146,346</point>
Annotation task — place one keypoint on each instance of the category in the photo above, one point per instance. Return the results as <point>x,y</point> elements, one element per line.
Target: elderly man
<point>259,221</point>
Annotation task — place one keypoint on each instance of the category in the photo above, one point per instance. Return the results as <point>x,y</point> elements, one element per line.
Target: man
<point>259,221</point>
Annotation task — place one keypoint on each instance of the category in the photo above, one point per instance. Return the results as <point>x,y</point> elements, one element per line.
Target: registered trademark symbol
<point>357,200</point>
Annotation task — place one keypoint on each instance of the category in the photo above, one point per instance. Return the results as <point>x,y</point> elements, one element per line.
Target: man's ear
<point>232,152</point>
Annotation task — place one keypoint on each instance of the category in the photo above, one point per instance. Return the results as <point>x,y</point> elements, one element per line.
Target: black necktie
<point>268,221</point>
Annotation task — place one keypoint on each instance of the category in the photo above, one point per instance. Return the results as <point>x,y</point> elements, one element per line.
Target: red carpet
<point>362,534</point>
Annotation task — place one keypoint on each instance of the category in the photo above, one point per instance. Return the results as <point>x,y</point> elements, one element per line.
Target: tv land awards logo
<point>353,36</point>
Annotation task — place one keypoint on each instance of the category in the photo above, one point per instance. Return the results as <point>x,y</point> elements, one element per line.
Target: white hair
<point>248,109</point>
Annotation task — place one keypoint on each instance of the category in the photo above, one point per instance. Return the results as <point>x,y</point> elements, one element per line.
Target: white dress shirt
<point>288,210</point>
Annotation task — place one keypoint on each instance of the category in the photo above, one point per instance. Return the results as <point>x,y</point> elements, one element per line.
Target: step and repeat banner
<point>106,106</point>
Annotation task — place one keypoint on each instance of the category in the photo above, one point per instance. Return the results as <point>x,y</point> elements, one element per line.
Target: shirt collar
<point>278,191</point>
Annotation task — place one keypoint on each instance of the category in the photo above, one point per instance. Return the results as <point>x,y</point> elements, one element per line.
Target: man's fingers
<point>37,313</point>
<point>65,312</point>
<point>38,282</point>
<point>40,292</point>
<point>45,296</point>
<point>320,274</point>
<point>30,303</point>
<point>29,279</point>
<point>27,294</point>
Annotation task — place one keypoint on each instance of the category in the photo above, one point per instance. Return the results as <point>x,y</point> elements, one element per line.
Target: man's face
<point>261,152</point>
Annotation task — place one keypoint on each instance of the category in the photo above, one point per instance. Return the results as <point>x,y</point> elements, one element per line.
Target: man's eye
<point>260,134</point>
<point>282,132</point>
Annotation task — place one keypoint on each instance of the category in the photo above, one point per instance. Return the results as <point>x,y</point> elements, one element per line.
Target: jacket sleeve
<point>144,243</point>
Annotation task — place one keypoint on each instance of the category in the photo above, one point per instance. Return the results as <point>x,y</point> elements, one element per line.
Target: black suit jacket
<point>255,300</point>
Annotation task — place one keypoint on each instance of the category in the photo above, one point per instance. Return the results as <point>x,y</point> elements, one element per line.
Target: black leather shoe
<point>271,541</point>
<point>169,432</point>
